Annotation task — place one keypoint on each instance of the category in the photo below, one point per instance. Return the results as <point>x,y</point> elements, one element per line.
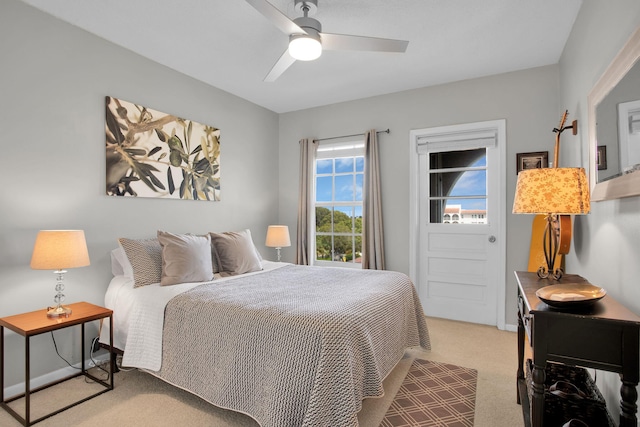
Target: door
<point>458,229</point>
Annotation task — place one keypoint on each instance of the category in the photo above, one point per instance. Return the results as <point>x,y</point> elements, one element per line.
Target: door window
<point>458,187</point>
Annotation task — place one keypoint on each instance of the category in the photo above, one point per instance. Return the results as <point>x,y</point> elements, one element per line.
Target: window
<point>338,177</point>
<point>458,183</point>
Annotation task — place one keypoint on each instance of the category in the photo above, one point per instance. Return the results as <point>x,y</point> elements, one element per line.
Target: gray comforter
<point>296,346</point>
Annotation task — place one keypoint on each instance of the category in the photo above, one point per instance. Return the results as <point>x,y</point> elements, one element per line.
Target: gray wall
<point>528,100</point>
<point>54,80</point>
<point>607,241</point>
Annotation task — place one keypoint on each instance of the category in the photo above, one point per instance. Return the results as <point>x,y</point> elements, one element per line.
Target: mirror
<point>614,127</point>
<point>618,128</point>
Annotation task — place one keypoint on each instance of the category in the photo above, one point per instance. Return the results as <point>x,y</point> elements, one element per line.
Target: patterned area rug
<point>434,394</point>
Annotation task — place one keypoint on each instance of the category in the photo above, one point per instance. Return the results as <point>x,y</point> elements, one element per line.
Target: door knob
<point>492,239</point>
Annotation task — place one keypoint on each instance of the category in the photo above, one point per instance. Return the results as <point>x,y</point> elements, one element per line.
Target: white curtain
<point>308,150</point>
<point>372,232</point>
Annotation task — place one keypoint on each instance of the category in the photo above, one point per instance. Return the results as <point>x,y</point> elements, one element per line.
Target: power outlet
<point>95,345</point>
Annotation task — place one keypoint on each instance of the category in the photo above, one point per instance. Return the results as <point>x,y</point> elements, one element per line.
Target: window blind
<point>456,141</point>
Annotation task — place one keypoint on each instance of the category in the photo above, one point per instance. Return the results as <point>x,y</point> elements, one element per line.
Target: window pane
<point>323,248</point>
<point>358,257</point>
<point>359,178</point>
<point>343,248</point>
<point>345,191</point>
<point>458,159</point>
<point>358,218</point>
<point>436,212</point>
<point>459,211</point>
<point>359,164</point>
<point>344,164</point>
<point>324,166</point>
<point>323,220</point>
<point>469,183</point>
<point>324,188</point>
<point>343,219</point>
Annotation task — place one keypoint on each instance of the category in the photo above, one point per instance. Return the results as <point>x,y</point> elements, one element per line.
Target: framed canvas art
<point>154,154</point>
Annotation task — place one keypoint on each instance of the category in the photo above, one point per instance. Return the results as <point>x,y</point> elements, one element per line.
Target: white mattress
<point>138,316</point>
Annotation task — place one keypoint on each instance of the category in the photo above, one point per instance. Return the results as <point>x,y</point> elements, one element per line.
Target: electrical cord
<point>96,364</point>
<point>58,353</point>
<point>119,364</point>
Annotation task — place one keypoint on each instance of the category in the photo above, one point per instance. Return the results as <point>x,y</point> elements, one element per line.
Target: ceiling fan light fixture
<point>306,37</point>
<point>305,47</point>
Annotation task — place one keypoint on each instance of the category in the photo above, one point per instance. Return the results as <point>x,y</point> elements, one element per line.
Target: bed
<point>287,345</point>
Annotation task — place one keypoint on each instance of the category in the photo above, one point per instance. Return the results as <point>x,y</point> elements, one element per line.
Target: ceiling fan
<point>306,39</point>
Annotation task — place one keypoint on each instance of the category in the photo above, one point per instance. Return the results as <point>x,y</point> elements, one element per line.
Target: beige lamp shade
<point>59,249</point>
<point>561,191</point>
<point>278,236</point>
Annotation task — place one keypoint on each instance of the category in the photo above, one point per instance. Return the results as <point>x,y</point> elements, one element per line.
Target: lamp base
<point>550,245</point>
<point>57,312</point>
<point>543,273</point>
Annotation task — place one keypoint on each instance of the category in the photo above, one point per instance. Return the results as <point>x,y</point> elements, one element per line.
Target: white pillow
<point>120,265</point>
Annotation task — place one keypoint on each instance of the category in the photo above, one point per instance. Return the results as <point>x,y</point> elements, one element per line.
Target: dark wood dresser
<point>604,336</point>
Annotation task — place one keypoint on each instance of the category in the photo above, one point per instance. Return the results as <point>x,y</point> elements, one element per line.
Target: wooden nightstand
<point>37,322</point>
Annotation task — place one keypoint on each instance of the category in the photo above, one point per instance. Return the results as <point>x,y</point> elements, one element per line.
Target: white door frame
<point>414,205</point>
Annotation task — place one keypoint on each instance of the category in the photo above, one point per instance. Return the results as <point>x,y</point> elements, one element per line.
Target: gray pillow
<point>185,258</point>
<point>235,252</point>
<point>145,257</point>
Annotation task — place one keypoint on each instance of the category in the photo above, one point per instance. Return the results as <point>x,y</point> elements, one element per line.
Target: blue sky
<point>347,187</point>
<point>472,183</point>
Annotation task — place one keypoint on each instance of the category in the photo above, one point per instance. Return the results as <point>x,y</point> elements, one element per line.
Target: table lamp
<point>551,192</point>
<point>278,237</point>
<point>57,250</point>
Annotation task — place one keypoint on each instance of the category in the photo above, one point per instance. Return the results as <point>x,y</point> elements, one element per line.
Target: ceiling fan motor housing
<point>310,25</point>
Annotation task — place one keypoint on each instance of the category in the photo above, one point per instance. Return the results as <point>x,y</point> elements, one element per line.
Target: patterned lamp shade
<point>561,191</point>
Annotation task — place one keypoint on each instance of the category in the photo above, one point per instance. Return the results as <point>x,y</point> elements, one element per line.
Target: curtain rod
<point>349,136</point>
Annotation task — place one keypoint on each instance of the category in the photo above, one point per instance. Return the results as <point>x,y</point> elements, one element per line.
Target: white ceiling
<point>229,45</point>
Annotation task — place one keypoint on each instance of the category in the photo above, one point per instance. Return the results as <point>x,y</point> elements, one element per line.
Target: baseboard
<point>17,389</point>
<point>511,328</point>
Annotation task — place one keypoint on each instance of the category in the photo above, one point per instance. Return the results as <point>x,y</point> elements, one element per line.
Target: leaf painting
<point>154,154</point>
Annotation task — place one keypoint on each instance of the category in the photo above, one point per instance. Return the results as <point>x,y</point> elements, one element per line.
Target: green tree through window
<point>338,207</point>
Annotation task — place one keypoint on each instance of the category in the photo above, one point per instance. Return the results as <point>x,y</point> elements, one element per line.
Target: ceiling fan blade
<point>278,18</point>
<point>281,66</point>
<point>348,42</point>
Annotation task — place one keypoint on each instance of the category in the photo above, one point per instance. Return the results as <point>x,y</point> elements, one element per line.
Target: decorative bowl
<point>570,295</point>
